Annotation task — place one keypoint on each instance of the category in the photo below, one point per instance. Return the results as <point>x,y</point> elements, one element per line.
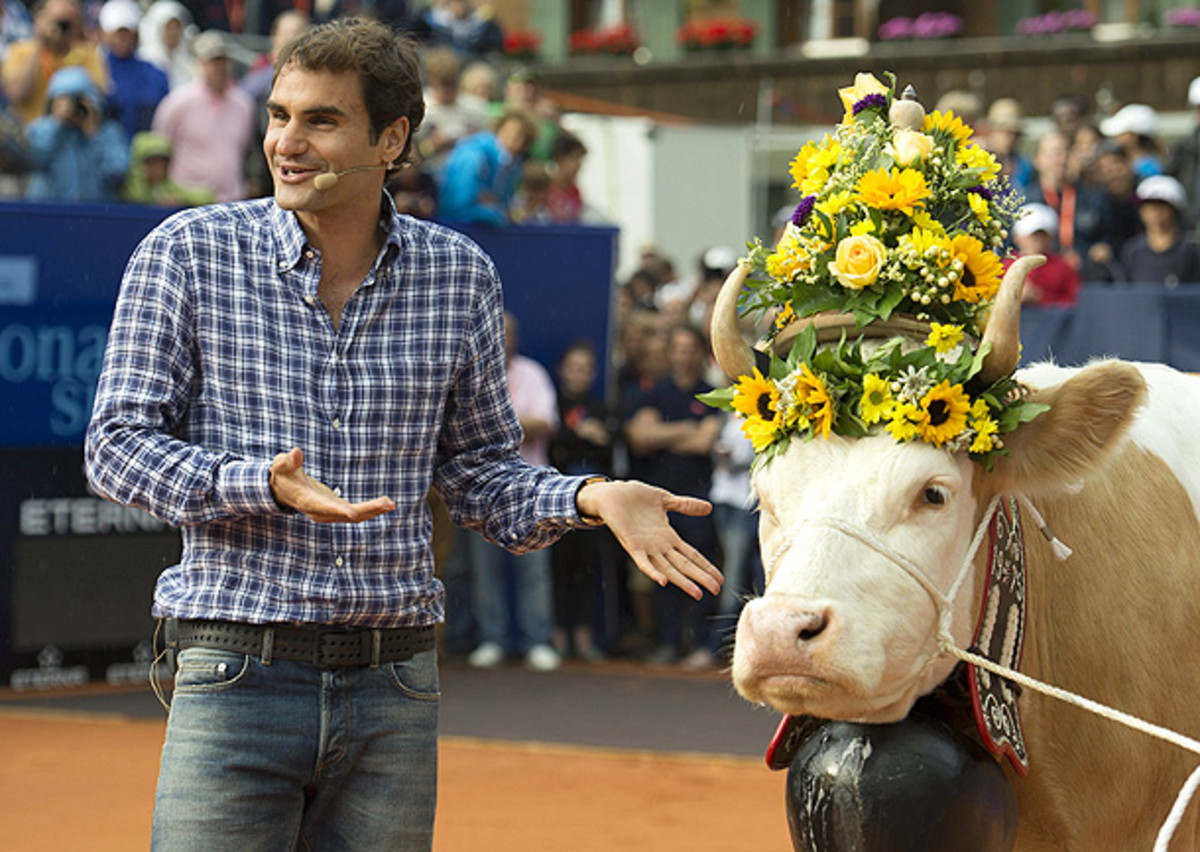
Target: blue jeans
<point>281,755</point>
<point>532,593</point>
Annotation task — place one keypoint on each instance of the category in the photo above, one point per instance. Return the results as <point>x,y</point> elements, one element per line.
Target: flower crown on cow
<point>900,225</point>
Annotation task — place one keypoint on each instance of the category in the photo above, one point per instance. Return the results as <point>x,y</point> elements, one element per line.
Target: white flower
<point>914,384</point>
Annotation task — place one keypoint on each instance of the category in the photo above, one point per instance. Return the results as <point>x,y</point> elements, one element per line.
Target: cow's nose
<point>810,624</point>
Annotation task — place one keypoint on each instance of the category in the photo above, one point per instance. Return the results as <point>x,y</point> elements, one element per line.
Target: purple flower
<point>896,28</point>
<point>983,192</point>
<point>873,101</point>
<point>803,210</point>
<point>937,25</point>
<point>1182,18</point>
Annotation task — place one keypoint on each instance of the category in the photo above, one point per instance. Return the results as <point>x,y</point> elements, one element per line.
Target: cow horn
<point>733,353</point>
<point>1004,324</point>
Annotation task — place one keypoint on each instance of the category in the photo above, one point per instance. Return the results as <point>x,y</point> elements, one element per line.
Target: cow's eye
<point>935,496</point>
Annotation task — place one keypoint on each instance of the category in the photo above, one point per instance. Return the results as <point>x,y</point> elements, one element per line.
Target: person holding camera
<point>78,154</point>
<point>58,42</point>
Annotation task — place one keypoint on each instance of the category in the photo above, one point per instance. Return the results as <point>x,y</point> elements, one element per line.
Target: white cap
<point>720,257</point>
<point>1163,188</point>
<point>1131,118</point>
<point>1033,218</point>
<point>120,15</point>
<point>1194,93</point>
<point>210,44</point>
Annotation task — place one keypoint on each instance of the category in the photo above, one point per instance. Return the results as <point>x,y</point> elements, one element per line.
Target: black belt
<point>329,648</point>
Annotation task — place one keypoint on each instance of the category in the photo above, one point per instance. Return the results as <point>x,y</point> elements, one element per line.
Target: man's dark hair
<point>386,64</point>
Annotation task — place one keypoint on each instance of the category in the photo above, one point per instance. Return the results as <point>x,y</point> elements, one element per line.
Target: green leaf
<point>720,398</point>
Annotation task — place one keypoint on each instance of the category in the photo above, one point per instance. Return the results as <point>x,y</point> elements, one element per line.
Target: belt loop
<point>376,642</point>
<point>268,645</point>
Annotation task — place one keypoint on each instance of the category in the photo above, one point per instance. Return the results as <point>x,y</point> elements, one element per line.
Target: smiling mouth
<point>296,172</point>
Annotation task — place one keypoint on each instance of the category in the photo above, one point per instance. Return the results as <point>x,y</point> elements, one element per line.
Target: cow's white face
<point>842,631</point>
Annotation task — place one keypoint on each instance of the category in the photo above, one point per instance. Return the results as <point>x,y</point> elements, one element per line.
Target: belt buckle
<point>332,643</point>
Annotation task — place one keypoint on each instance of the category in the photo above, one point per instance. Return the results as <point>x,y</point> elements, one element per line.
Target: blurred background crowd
<point>160,103</point>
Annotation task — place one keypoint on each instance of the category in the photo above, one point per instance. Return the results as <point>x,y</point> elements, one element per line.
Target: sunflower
<point>946,125</point>
<point>943,337</point>
<point>877,402</point>
<point>923,240</point>
<point>901,189</point>
<point>980,279</point>
<point>812,390</point>
<point>757,400</point>
<point>943,413</point>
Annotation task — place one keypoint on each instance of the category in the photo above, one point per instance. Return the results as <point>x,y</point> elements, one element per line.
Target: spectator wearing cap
<point>78,154</point>
<point>1055,283</point>
<point>1135,128</point>
<point>165,37</point>
<point>1183,161</point>
<point>148,181</point>
<point>136,85</point>
<point>210,124</point>
<point>1160,254</point>
<point>58,42</point>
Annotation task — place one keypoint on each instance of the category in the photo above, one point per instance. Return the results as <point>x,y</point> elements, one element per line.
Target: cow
<point>842,632</point>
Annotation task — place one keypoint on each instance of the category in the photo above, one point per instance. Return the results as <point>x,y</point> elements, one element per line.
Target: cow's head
<point>860,536</point>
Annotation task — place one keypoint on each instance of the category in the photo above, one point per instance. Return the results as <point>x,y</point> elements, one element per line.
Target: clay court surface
<point>613,757</point>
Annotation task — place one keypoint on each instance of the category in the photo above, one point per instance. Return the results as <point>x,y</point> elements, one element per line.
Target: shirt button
<point>311,300</point>
<point>338,491</point>
<point>337,423</point>
<point>338,562</point>
<point>309,254</point>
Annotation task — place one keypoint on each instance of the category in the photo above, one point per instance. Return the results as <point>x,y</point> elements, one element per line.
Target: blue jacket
<point>478,181</point>
<point>136,88</point>
<point>69,165</point>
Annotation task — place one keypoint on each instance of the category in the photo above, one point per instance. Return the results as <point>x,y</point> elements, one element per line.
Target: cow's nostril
<point>811,625</point>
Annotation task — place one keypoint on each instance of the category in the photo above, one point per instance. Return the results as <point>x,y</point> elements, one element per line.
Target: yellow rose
<point>864,84</point>
<point>910,147</point>
<point>858,260</point>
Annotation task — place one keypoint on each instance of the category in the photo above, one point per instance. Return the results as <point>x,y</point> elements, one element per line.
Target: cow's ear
<point>1088,415</point>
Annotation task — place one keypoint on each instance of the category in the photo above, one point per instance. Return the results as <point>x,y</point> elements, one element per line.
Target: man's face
<point>686,354</point>
<point>121,43</point>
<point>319,123</point>
<point>1051,157</point>
<point>59,24</point>
<point>216,73</point>
<point>512,137</point>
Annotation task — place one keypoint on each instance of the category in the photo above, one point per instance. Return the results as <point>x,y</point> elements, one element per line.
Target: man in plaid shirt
<point>275,367</point>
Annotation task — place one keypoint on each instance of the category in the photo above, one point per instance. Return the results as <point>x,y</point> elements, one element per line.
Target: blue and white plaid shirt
<point>221,355</point>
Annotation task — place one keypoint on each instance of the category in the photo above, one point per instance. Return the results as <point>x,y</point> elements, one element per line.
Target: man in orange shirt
<point>58,41</point>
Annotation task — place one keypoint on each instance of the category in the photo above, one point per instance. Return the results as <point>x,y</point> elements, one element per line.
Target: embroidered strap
<point>999,637</point>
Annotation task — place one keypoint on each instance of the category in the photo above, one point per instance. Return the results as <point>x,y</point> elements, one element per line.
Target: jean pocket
<point>417,677</point>
<point>209,670</point>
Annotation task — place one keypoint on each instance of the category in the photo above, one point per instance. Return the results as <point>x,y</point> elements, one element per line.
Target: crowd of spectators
<point>1106,199</point>
<point>83,81</point>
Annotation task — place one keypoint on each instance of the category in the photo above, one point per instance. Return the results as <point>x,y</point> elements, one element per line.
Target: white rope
<point>1167,831</point>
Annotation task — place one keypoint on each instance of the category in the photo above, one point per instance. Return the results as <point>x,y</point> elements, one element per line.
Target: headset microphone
<point>328,180</point>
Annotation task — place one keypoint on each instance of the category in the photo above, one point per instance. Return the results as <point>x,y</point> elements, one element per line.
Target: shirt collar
<point>290,240</point>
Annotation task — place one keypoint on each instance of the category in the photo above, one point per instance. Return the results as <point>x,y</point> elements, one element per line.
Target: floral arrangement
<point>522,44</point>
<point>900,214</point>
<point>716,33</point>
<point>618,39</point>
<point>1053,23</point>
<point>924,26</point>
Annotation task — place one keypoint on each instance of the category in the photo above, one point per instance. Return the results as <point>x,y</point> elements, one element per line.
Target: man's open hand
<point>637,515</point>
<point>295,489</point>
